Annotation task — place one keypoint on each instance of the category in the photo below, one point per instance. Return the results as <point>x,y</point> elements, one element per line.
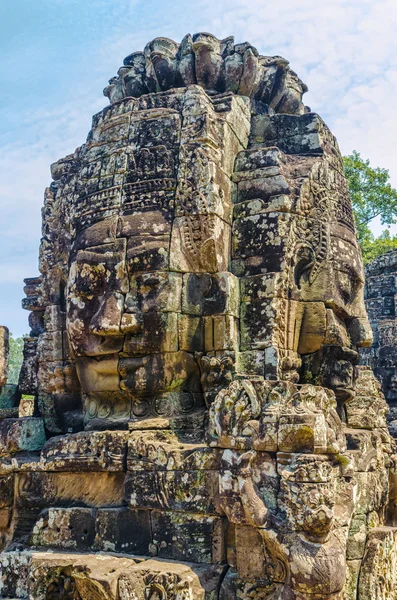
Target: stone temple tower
<point>200,428</point>
<point>380,300</point>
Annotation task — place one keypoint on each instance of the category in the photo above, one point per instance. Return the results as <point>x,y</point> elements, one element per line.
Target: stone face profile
<point>200,426</point>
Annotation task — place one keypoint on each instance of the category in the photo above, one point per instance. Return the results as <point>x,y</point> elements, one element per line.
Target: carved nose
<point>106,320</point>
<point>360,332</point>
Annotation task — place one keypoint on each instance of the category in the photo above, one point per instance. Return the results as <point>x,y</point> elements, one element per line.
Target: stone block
<point>252,234</point>
<point>210,294</point>
<point>313,327</point>
<point>182,491</point>
<point>156,291</point>
<point>357,537</point>
<point>6,491</point>
<point>258,158</point>
<point>164,451</point>
<point>50,346</point>
<point>276,203</point>
<point>251,363</point>
<point>262,324</point>
<point>21,435</point>
<point>302,433</point>
<point>153,129</point>
<point>103,232</point>
<point>205,185</point>
<point>371,490</point>
<point>221,333</point>
<point>148,253</point>
<point>86,451</point>
<point>67,528</point>
<point>364,410</point>
<point>226,332</point>
<point>260,287</point>
<point>190,333</point>
<point>325,564</point>
<point>248,500</point>
<point>98,375</point>
<point>28,374</point>
<point>34,292</point>
<point>156,332</point>
<point>250,553</point>
<point>262,188</point>
<point>292,134</point>
<point>159,373</point>
<point>88,575</point>
<point>15,571</point>
<point>152,576</point>
<point>374,308</point>
<point>352,576</point>
<point>188,536</point>
<point>378,569</point>
<point>123,530</point>
<point>63,489</point>
<point>54,318</point>
<point>9,397</point>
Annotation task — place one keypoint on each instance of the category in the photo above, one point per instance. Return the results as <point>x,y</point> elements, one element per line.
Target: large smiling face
<point>148,281</point>
<point>122,320</point>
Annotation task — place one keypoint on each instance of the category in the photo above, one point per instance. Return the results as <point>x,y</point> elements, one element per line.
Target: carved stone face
<point>148,285</point>
<point>336,296</point>
<point>175,251</point>
<point>122,312</point>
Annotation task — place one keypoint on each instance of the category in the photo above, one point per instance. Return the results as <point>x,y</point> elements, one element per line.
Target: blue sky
<point>57,55</point>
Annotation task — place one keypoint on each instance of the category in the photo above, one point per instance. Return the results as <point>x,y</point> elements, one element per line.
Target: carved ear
<point>303,265</point>
<point>208,254</point>
<point>252,395</point>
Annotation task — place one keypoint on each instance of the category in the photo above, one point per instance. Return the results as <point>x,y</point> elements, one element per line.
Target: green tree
<point>372,196</point>
<point>16,356</point>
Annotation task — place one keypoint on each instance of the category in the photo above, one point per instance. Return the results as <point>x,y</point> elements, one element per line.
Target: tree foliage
<point>372,196</point>
<point>16,356</point>
<point>376,246</point>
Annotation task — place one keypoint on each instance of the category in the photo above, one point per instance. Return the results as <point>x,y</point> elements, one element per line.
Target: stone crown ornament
<point>193,422</point>
<point>218,66</point>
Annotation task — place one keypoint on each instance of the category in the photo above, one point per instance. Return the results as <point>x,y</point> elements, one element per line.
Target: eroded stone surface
<point>199,426</point>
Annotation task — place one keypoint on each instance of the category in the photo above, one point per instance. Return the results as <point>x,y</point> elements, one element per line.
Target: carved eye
<point>90,280</point>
